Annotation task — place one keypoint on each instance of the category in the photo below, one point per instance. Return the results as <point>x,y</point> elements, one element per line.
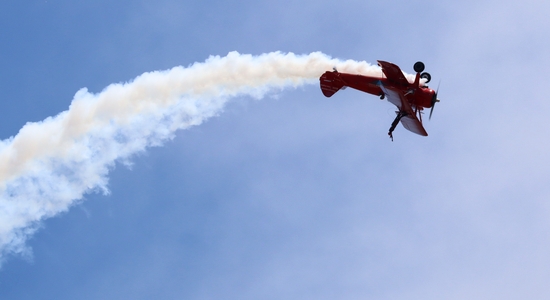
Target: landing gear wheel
<point>426,76</point>
<point>418,67</point>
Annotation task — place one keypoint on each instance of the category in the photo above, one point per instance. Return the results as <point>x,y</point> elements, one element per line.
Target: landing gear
<point>426,76</point>
<point>382,96</point>
<point>400,114</point>
<point>418,67</point>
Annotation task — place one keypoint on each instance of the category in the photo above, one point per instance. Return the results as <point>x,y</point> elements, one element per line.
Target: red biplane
<point>410,98</point>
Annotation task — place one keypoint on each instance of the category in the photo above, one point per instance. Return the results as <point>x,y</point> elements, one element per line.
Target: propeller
<point>434,100</point>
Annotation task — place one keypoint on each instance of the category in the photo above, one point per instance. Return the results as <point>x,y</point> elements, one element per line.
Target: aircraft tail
<point>331,83</point>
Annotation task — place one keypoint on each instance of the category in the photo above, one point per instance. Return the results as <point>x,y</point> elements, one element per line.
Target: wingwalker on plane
<point>410,98</point>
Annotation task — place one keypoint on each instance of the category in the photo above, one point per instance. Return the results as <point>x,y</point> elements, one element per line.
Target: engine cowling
<point>424,97</point>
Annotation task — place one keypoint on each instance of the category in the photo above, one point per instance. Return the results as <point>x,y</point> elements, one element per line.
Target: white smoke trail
<point>48,166</point>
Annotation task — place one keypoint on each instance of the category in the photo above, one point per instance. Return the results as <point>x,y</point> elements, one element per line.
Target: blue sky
<point>297,196</point>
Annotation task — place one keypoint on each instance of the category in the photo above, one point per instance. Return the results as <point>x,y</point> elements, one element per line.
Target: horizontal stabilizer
<point>330,83</point>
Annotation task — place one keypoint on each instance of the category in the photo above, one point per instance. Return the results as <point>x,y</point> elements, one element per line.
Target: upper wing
<point>394,97</point>
<point>412,124</point>
<point>410,121</point>
<point>393,73</point>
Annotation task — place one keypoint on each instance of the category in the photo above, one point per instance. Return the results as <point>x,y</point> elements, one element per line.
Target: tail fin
<point>330,83</point>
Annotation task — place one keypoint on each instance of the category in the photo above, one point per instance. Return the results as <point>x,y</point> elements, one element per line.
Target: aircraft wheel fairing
<point>418,67</point>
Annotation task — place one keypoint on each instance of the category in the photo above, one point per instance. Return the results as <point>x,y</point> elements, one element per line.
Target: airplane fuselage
<point>420,97</point>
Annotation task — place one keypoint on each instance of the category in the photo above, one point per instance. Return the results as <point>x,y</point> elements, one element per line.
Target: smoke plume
<point>49,165</point>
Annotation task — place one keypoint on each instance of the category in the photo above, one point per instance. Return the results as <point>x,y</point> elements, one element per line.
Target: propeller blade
<point>434,100</point>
